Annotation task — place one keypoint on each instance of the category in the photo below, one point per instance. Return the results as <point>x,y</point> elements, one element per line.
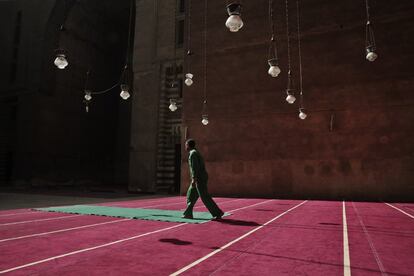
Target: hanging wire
<point>175,48</point>
<point>189,25</point>
<point>106,90</point>
<point>87,93</point>
<point>89,66</point>
<point>174,65</point>
<point>129,33</point>
<point>66,9</point>
<point>367,10</point>
<point>205,52</point>
<point>369,33</point>
<point>272,45</point>
<point>289,84</point>
<point>65,14</point>
<point>272,25</point>
<point>87,79</point>
<point>189,36</point>
<point>288,34</point>
<point>369,37</point>
<point>228,2</point>
<point>300,54</point>
<point>124,75</point>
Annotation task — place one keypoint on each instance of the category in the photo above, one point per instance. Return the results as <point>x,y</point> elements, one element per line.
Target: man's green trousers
<point>194,193</point>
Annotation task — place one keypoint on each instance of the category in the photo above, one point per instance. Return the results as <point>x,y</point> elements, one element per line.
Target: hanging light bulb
<point>88,95</point>
<point>290,97</point>
<point>302,114</point>
<point>369,37</point>
<point>173,105</point>
<point>88,98</point>
<point>86,103</point>
<point>204,120</point>
<point>124,92</point>
<point>370,43</point>
<point>234,23</point>
<point>61,61</point>
<point>188,79</point>
<point>371,55</point>
<point>274,69</point>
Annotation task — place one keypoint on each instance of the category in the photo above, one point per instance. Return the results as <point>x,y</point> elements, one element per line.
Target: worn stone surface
<point>154,46</point>
<point>358,140</point>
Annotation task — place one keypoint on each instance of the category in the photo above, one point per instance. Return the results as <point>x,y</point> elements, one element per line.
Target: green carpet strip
<point>132,213</point>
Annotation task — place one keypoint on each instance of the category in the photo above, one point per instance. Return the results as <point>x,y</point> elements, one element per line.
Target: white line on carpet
<point>224,202</point>
<point>110,243</point>
<point>63,230</point>
<point>14,214</point>
<point>84,226</point>
<point>88,249</point>
<point>36,220</point>
<point>233,242</point>
<point>371,243</point>
<point>347,262</point>
<point>398,209</point>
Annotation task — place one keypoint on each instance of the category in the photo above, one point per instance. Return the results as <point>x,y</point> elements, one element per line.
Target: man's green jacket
<point>197,168</point>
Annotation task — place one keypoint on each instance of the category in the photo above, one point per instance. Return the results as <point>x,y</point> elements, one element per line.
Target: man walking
<point>198,186</point>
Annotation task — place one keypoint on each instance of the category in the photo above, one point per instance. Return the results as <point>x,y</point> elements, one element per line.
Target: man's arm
<point>194,168</point>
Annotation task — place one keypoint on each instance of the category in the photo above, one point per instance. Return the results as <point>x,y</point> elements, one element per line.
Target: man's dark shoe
<point>187,216</point>
<point>219,216</point>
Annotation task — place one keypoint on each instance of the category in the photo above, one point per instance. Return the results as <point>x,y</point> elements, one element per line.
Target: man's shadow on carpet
<point>176,241</point>
<point>238,222</point>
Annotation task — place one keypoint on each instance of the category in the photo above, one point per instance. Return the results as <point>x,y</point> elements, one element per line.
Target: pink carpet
<point>307,240</point>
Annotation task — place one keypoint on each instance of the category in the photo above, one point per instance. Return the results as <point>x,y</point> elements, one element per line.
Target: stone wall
<point>155,43</point>
<point>357,141</point>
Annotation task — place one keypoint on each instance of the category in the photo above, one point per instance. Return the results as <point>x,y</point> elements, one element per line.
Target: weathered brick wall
<point>255,144</point>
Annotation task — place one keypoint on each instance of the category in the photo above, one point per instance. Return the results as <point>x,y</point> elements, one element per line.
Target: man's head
<point>190,144</point>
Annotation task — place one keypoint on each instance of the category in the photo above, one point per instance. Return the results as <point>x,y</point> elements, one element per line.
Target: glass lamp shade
<point>302,114</point>
<point>188,79</point>
<point>371,55</point>
<point>188,82</point>
<point>124,92</point>
<point>61,61</point>
<point>234,23</point>
<point>173,105</point>
<point>204,120</point>
<point>290,98</point>
<point>88,95</point>
<point>274,71</point>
